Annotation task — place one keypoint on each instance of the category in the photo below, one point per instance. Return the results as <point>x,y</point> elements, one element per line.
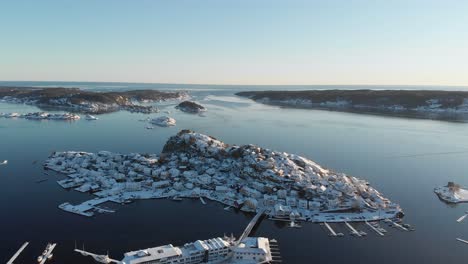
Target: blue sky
<point>236,42</point>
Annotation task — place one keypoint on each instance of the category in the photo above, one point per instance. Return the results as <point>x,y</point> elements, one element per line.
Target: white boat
<point>293,224</point>
<point>91,117</point>
<point>5,162</point>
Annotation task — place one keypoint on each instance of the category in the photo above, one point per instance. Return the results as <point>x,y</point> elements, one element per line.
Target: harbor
<point>252,179</point>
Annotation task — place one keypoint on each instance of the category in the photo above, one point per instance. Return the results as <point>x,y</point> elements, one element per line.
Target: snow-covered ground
<point>451,194</point>
<point>248,177</point>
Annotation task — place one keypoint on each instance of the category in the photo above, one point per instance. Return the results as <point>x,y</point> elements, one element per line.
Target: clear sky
<point>236,42</point>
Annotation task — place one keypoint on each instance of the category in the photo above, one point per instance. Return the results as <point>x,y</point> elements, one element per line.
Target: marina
<point>13,258</point>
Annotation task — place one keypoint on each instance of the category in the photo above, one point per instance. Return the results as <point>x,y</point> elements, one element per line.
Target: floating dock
<point>375,229</point>
<point>353,230</point>
<point>202,200</point>
<point>332,232</point>
<point>399,226</point>
<point>17,253</point>
<point>459,220</point>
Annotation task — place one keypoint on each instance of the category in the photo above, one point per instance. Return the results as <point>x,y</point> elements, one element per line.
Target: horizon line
<point>219,84</point>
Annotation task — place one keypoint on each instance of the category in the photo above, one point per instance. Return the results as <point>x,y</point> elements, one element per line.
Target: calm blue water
<point>403,158</point>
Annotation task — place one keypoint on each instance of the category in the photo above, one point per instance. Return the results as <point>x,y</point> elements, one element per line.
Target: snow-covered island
<point>251,178</point>
<point>85,101</point>
<point>191,107</point>
<point>431,104</point>
<point>452,193</point>
<point>42,116</point>
<point>163,121</point>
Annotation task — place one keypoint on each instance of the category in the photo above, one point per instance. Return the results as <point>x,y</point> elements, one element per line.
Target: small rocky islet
<point>191,107</point>
<point>251,178</point>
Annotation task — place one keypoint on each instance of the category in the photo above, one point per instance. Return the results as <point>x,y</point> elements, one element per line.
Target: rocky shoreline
<point>83,101</point>
<point>426,104</point>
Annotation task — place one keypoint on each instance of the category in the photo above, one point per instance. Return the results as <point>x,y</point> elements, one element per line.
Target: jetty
<point>13,258</point>
<point>375,229</point>
<point>352,229</point>
<point>202,200</point>
<point>459,220</point>
<point>332,232</point>
<point>399,226</point>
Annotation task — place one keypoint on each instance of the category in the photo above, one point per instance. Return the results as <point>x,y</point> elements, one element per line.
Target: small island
<point>85,101</point>
<point>428,104</point>
<point>163,121</point>
<point>191,107</point>
<point>452,193</point>
<point>284,186</point>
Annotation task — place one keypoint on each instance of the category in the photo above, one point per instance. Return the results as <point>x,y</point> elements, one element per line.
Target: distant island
<point>77,100</point>
<point>442,105</point>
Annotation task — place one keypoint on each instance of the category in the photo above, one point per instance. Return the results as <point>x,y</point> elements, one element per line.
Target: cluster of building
<point>42,116</point>
<point>192,165</point>
<point>250,250</point>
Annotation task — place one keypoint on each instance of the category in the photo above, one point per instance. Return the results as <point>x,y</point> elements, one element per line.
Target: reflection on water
<point>403,158</point>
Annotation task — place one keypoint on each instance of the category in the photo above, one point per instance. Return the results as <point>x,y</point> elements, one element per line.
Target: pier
<point>18,253</point>
<point>251,225</point>
<point>353,230</point>
<point>459,220</point>
<point>332,232</point>
<point>375,229</point>
<point>399,226</point>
